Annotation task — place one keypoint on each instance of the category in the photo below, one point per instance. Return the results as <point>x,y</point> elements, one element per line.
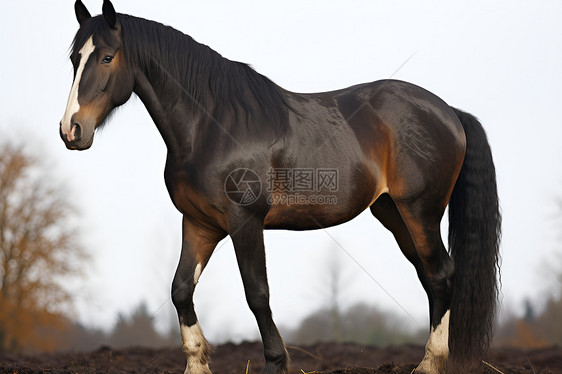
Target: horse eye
<point>107,59</point>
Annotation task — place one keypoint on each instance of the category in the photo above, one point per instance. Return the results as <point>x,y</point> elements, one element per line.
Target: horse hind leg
<point>386,212</point>
<point>423,223</point>
<point>418,235</point>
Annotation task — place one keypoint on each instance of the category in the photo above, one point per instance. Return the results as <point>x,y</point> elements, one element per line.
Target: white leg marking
<point>196,349</point>
<point>72,105</point>
<point>437,348</point>
<point>197,273</point>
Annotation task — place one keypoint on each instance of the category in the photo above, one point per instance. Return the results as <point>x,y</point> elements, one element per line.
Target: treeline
<point>539,326</point>
<point>535,328</point>
<point>133,329</point>
<point>360,323</point>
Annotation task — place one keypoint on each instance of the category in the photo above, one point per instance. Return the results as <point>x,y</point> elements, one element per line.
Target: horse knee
<point>439,267</point>
<point>182,292</point>
<point>258,299</point>
<point>445,273</point>
<point>449,273</point>
<point>441,284</point>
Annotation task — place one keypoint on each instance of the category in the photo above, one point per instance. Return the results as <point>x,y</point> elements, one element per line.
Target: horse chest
<point>193,203</point>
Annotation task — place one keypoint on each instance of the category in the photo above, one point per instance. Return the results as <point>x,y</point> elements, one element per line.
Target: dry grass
<point>493,368</point>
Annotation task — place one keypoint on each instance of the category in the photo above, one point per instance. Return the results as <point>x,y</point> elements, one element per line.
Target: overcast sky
<point>501,61</point>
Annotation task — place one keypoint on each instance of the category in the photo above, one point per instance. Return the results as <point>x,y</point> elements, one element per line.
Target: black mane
<point>231,93</point>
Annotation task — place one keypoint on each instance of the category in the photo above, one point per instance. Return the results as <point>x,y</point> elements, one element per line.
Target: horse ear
<point>82,13</point>
<point>109,14</point>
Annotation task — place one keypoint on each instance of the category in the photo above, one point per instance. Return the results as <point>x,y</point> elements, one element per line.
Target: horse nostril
<point>76,131</point>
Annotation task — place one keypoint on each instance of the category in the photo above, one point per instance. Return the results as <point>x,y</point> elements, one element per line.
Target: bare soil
<point>323,358</point>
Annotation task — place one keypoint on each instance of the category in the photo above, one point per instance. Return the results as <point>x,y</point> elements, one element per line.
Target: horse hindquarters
<point>428,147</point>
<point>462,297</point>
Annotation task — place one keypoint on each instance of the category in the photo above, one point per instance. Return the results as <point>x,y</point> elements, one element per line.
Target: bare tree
<point>38,249</point>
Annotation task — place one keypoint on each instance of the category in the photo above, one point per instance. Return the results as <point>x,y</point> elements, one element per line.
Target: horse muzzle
<point>77,138</point>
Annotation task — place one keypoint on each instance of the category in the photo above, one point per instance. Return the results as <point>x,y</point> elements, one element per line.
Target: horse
<point>244,155</point>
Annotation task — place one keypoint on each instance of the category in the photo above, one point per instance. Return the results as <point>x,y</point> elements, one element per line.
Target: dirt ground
<point>244,358</point>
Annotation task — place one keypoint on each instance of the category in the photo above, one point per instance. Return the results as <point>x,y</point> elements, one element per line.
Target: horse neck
<point>152,100</point>
<point>171,99</point>
<point>186,85</point>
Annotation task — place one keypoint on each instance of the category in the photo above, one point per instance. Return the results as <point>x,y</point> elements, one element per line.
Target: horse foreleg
<point>250,253</point>
<point>197,247</point>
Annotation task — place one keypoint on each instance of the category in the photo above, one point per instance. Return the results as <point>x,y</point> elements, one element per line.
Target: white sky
<point>501,61</point>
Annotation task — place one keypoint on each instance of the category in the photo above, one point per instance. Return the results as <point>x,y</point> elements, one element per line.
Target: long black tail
<point>474,236</point>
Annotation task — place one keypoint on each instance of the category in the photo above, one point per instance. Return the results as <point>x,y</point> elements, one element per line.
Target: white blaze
<point>72,105</point>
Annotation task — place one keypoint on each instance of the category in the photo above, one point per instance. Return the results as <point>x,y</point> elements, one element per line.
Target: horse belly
<point>345,198</point>
<point>306,217</point>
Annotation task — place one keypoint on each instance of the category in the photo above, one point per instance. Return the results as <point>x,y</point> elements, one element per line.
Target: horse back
<point>381,137</point>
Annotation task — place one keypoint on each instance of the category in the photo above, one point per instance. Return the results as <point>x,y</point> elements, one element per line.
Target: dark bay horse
<point>245,155</point>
